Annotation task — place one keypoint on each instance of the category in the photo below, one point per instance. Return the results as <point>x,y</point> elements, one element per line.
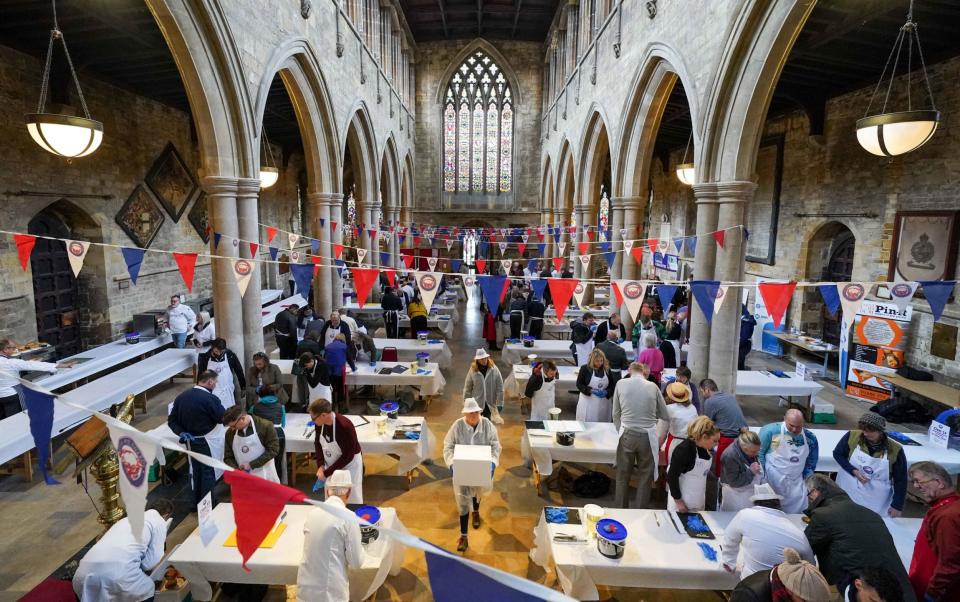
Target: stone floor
<point>44,527</point>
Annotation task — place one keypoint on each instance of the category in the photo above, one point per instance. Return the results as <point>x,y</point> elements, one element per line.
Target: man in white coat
<point>471,429</point>
<point>763,531</point>
<point>115,568</point>
<point>331,547</point>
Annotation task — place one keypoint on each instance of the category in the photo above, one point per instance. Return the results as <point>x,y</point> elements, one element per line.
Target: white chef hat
<point>340,478</point>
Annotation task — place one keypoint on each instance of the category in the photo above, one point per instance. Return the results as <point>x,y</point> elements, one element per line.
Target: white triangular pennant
<point>293,239</point>
<point>721,295</point>
<point>851,296</point>
<point>902,293</point>
<point>623,235</point>
<point>77,252</point>
<point>135,456</point>
<point>361,255</point>
<point>468,283</point>
<point>578,294</point>
<point>627,246</point>
<point>633,292</point>
<point>296,256</point>
<point>432,262</point>
<point>525,238</point>
<point>505,264</point>
<point>503,232</point>
<point>563,248</point>
<point>449,244</point>
<point>503,248</point>
<point>242,271</point>
<point>585,260</point>
<point>429,285</point>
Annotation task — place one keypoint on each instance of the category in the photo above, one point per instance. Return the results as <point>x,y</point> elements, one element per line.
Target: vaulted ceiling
<point>432,20</point>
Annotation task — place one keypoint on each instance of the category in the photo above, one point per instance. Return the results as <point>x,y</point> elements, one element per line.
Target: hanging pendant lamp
<point>686,172</point>
<point>67,136</point>
<point>896,133</point>
<point>269,174</point>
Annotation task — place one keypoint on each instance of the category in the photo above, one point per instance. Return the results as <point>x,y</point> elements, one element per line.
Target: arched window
<point>604,218</point>
<point>478,129</point>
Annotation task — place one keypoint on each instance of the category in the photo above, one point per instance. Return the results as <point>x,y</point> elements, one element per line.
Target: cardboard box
<point>471,466</point>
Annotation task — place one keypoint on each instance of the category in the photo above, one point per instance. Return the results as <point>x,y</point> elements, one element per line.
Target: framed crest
<point>171,182</point>
<point>924,246</point>
<point>199,218</point>
<point>140,217</point>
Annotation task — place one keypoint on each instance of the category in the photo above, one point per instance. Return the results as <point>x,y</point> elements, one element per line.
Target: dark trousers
<point>486,411</point>
<point>418,324</point>
<point>10,406</point>
<point>392,324</point>
<point>536,328</point>
<point>279,460</point>
<point>204,477</point>
<point>339,390</point>
<point>287,347</point>
<point>745,347</point>
<point>516,324</point>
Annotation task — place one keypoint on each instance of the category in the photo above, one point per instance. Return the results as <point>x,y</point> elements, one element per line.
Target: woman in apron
<point>337,447</point>
<point>873,469</point>
<point>317,377</point>
<point>681,413</point>
<point>741,471</point>
<point>595,383</point>
<point>540,390</point>
<point>785,472</point>
<point>252,444</point>
<point>690,465</point>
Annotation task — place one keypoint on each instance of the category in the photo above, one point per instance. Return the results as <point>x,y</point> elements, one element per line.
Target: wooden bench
<point>928,389</point>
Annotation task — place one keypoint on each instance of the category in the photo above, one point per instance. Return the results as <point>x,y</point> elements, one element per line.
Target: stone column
<point>335,205</point>
<point>580,213</point>
<point>365,213</point>
<point>616,245</point>
<point>632,208</point>
<point>698,354</point>
<point>732,199</point>
<point>318,211</point>
<point>227,307</point>
<point>248,195</point>
<point>394,239</point>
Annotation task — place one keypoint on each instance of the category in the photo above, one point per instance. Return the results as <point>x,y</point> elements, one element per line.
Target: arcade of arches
<point>385,114</point>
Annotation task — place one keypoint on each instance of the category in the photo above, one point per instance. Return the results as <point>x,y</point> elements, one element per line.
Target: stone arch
<point>361,139</point>
<point>406,189</point>
<point>496,55</point>
<point>390,176</point>
<point>546,188</point>
<point>757,49</point>
<point>595,154</point>
<point>566,181</point>
<point>828,241</point>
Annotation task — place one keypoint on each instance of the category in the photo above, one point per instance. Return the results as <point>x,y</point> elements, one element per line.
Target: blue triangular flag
<point>692,244</point>
<point>448,577</point>
<point>705,292</point>
<point>40,412</point>
<point>322,222</point>
<point>340,266</point>
<point>666,293</point>
<point>678,243</point>
<point>746,233</point>
<point>556,236</point>
<point>937,292</point>
<point>830,297</point>
<point>531,264</point>
<point>384,258</point>
<point>216,240</point>
<point>273,253</point>
<point>542,248</point>
<point>538,287</point>
<point>455,265</point>
<point>134,259</point>
<point>610,257</point>
<point>303,276</point>
<point>484,249</point>
<point>492,288</point>
<point>605,247</point>
<point>314,246</point>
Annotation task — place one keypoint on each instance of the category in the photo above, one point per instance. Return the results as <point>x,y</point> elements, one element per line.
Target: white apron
<point>591,408</point>
<point>583,352</point>
<point>877,493</point>
<point>224,389</point>
<point>332,453</point>
<point>216,439</point>
<point>785,473</point>
<point>693,487</point>
<point>736,499</point>
<point>543,400</point>
<point>249,448</point>
<point>321,391</point>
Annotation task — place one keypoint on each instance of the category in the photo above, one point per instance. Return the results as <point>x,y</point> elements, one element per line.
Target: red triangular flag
<point>25,244</point>
<point>256,503</point>
<point>271,233</point>
<point>416,241</point>
<point>582,247</point>
<point>337,250</point>
<point>333,226</point>
<point>521,247</point>
<point>558,263</point>
<point>637,253</point>
<point>407,260</point>
<point>481,266</point>
<point>719,236</point>
<point>561,289</point>
<point>391,277</point>
<point>652,245</point>
<point>776,296</point>
<point>253,249</point>
<point>363,280</point>
<point>186,262</point>
<point>590,233</point>
<point>317,260</point>
<point>506,287</point>
<point>616,292</point>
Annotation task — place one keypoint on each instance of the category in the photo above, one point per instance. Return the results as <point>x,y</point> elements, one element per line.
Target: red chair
<point>390,354</point>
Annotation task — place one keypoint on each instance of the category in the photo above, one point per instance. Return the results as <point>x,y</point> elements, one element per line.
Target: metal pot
<point>611,538</point>
<point>565,439</point>
<point>371,514</point>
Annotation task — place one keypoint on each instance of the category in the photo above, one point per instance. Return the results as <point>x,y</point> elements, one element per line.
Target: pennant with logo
<point>627,246</point>
<point>705,292</point>
<point>720,236</point>
<point>491,287</point>
<point>831,297</point>
<point>481,265</point>
<point>937,293</point>
<point>296,256</point>
<point>578,293</point>
<point>429,285</point>
<point>134,259</point>
<point>776,296</point>
<point>135,455</point>
<point>257,503</point>
<point>505,264</point>
<point>187,262</point>
<point>585,260</point>
<point>271,233</point>
<point>563,249</point>
<point>623,235</point>
<point>303,277</point>
<point>449,244</point>
<point>363,281</point>
<point>361,255</point>
<point>76,252</point>
<point>902,293</point>
<point>273,252</point>
<point>39,405</point>
<point>851,296</point>
<point>242,271</point>
<point>633,292</point>
<point>721,295</point>
<point>293,239</point>
<point>525,238</point>
<point>469,282</point>
<point>25,243</point>
<point>503,247</point>
<point>432,264</point>
<point>666,293</point>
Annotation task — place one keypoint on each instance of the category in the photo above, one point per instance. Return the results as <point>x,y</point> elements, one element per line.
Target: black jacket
<point>195,411</point>
<point>307,345</point>
<point>285,325</point>
<point>580,333</point>
<point>615,355</point>
<point>391,302</point>
<point>319,375</point>
<point>535,308</point>
<point>583,381</point>
<point>344,330</point>
<point>235,366</point>
<point>755,588</point>
<point>603,328</point>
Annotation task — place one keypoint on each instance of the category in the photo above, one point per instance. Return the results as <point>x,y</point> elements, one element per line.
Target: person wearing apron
<point>581,334</point>
<point>741,472</point>
<point>317,377</point>
<point>930,576</point>
<point>638,407</point>
<point>392,305</point>
<point>680,414</point>
<point>196,416</point>
<point>788,454</point>
<point>337,447</point>
<point>224,362</point>
<point>251,444</point>
<point>595,383</point>
<point>690,466</point>
<point>873,467</point>
<point>541,390</point>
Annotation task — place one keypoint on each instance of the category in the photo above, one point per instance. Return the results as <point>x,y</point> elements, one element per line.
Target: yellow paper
<point>269,541</point>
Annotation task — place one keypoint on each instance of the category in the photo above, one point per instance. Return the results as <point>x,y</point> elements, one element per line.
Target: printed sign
<point>208,528</point>
<point>877,347</point>
<point>801,371</point>
<point>666,261</point>
<point>939,434</point>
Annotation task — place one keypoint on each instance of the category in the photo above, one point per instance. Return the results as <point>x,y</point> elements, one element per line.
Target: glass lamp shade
<point>65,135</point>
<point>892,134</point>
<point>268,176</point>
<point>686,173</point>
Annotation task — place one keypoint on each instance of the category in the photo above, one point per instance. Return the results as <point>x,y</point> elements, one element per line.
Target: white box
<point>471,466</point>
<point>822,407</point>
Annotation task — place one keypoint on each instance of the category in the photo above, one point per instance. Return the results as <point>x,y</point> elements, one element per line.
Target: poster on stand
<point>761,333</point>
<point>878,341</point>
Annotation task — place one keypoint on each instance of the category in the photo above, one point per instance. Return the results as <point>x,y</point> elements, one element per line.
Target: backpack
<point>591,484</point>
<point>901,410</point>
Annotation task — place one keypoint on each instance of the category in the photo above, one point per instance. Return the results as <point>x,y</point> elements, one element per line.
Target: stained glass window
<point>604,217</point>
<point>478,129</point>
<point>351,218</point>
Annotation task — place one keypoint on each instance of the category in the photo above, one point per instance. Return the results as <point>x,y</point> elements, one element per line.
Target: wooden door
<point>839,269</point>
<point>54,288</point>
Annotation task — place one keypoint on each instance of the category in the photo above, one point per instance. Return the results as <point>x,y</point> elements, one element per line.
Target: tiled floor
<point>43,527</point>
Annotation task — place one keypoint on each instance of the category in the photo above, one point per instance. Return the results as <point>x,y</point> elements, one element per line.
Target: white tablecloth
<point>600,312</point>
<point>434,322</point>
<point>407,350</point>
<point>657,556</point>
<point>754,382</point>
<point>269,313</point>
<point>516,381</point>
<point>410,453</point>
<point>596,445</point>
<point>514,353</point>
<point>100,359</point>
<point>444,309</point>
<point>269,295</point>
<point>431,382</point>
<point>279,565</point>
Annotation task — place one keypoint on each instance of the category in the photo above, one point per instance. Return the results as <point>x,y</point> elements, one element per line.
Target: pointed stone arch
<point>406,189</point>
<point>546,187</point>
<point>361,138</point>
<point>470,47</point>
<point>566,189</point>
<point>595,152</point>
<point>390,176</point>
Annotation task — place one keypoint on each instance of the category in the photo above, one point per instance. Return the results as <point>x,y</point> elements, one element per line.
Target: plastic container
<point>554,413</point>
<point>371,514</point>
<point>422,337</point>
<point>566,439</point>
<point>611,538</point>
<point>132,338</point>
<point>823,413</point>
<point>422,359</point>
<point>390,409</point>
<point>529,341</point>
<point>592,513</point>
